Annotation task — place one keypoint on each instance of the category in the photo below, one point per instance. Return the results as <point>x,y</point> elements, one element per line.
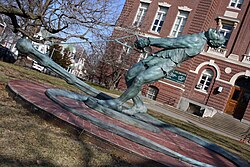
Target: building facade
<point>216,80</point>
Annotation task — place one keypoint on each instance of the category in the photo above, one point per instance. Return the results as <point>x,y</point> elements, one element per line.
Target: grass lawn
<point>28,140</point>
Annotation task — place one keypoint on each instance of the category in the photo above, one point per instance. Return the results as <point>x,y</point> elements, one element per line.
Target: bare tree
<point>116,60</point>
<point>92,59</point>
<point>67,18</point>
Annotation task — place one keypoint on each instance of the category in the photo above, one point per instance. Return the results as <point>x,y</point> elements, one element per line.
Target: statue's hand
<point>142,43</point>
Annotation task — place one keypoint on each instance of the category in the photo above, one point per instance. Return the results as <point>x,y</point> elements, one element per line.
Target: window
<point>179,23</point>
<point>152,92</point>
<point>159,20</point>
<point>226,31</point>
<point>236,3</point>
<point>141,13</point>
<point>205,80</point>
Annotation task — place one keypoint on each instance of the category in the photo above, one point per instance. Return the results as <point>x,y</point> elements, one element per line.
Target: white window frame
<point>226,32</point>
<point>237,2</point>
<point>160,16</point>
<point>152,92</point>
<point>183,19</point>
<point>140,15</point>
<point>205,75</point>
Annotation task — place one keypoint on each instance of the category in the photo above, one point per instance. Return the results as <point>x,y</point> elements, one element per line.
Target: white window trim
<point>164,4</point>
<point>226,31</point>
<point>153,93</point>
<point>204,72</point>
<point>176,18</point>
<point>210,63</point>
<point>226,20</point>
<point>184,8</point>
<point>158,11</point>
<point>231,7</point>
<point>142,1</point>
<point>146,1</point>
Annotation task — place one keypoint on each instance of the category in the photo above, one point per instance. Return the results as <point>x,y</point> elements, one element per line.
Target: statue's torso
<point>179,55</point>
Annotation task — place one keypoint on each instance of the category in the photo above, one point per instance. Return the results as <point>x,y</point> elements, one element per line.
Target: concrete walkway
<point>220,123</point>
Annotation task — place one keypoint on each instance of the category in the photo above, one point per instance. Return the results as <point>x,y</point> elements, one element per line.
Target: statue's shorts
<point>166,64</point>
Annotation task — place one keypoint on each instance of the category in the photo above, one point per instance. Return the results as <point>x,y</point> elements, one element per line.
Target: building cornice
<point>146,1</point>
<point>164,4</point>
<point>226,59</point>
<point>184,8</point>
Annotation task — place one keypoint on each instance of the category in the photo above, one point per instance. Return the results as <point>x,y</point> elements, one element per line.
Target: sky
<point>119,4</point>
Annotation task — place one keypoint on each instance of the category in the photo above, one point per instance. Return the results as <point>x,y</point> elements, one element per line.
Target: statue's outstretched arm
<point>25,46</point>
<point>173,43</point>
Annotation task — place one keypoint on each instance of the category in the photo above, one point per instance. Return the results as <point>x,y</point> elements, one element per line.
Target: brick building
<point>216,79</point>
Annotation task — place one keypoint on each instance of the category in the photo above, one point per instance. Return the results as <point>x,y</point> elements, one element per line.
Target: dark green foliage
<point>66,58</point>
<point>57,56</point>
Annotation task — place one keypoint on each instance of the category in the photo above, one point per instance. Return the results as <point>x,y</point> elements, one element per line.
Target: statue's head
<point>214,38</point>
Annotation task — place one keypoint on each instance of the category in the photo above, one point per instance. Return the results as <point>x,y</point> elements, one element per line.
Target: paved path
<point>34,93</point>
<point>220,123</point>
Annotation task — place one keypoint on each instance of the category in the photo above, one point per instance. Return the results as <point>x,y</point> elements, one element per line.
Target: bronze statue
<point>159,64</point>
<point>153,68</point>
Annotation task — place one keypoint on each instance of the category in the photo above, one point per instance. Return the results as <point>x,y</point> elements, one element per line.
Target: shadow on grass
<point>13,162</point>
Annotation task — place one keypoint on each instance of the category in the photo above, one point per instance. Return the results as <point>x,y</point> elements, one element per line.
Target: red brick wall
<point>167,94</point>
<point>217,101</point>
<point>203,16</point>
<point>128,11</point>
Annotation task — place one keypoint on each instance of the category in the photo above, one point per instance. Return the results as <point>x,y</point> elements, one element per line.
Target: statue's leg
<point>153,73</point>
<point>132,73</point>
<point>130,76</point>
<point>138,106</point>
<point>135,70</point>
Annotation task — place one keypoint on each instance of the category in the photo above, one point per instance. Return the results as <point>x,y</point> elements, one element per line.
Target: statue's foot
<point>135,110</point>
<point>112,104</point>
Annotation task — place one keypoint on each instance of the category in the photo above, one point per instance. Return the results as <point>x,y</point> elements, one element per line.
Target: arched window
<point>205,80</point>
<point>152,92</point>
